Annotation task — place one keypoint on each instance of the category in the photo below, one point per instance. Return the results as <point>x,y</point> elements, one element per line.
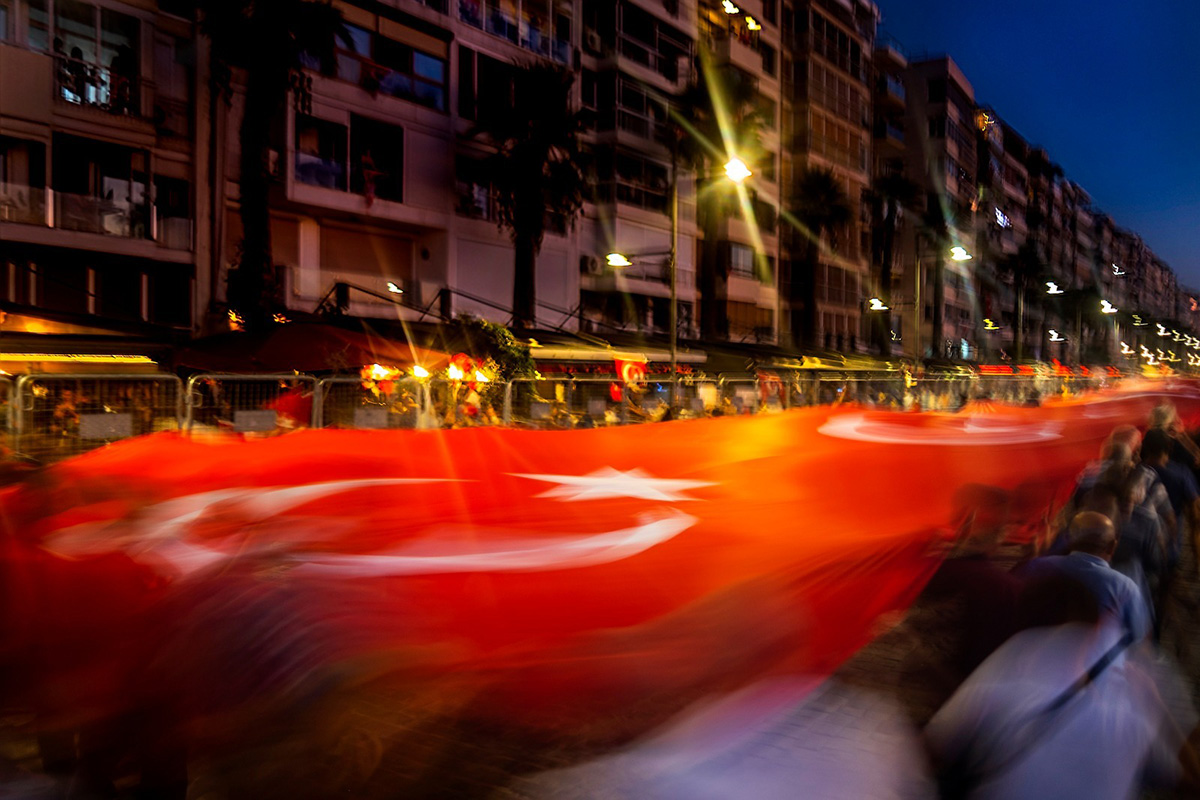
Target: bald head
<point>1092,532</point>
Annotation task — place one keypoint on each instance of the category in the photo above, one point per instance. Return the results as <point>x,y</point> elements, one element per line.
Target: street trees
<point>718,117</point>
<point>821,207</point>
<point>536,169</point>
<point>893,192</point>
<point>271,41</point>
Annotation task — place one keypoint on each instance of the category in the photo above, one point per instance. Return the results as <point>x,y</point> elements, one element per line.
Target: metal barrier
<point>251,403</point>
<point>744,395</point>
<point>8,416</point>
<point>349,402</point>
<point>464,403</point>
<point>62,415</point>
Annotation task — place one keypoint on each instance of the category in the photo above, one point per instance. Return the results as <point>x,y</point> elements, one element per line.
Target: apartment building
<point>940,158</point>
<point>828,44</point>
<point>100,160</point>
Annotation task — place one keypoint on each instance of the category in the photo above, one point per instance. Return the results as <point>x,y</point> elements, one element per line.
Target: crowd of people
<point>1062,688</point>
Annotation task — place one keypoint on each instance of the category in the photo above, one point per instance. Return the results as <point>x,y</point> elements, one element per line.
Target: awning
<point>303,347</point>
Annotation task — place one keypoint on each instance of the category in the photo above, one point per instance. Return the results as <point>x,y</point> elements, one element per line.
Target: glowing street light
<point>1117,271</point>
<point>1126,350</point>
<point>730,8</point>
<point>420,372</point>
<point>958,253</point>
<point>455,372</point>
<point>1137,321</point>
<point>877,305</point>
<point>988,325</point>
<point>394,289</point>
<point>1107,307</point>
<point>736,170</point>
<point>1052,288</point>
<point>752,24</point>
<point>618,260</point>
<point>1162,329</point>
<point>1055,336</point>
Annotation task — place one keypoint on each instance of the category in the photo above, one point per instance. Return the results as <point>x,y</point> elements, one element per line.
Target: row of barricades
<point>52,416</point>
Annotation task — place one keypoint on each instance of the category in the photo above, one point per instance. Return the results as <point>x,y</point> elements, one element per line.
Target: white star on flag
<point>608,482</point>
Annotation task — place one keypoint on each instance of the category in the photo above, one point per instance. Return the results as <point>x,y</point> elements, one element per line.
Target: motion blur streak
<point>230,600</point>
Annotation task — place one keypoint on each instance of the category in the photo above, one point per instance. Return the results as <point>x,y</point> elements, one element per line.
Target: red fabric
<point>802,529</point>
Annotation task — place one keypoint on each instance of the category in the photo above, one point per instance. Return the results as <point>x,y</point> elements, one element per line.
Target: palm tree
<point>821,207</point>
<point>716,118</point>
<point>536,169</point>
<point>271,41</point>
<point>935,226</point>
<point>1024,268</point>
<point>893,192</point>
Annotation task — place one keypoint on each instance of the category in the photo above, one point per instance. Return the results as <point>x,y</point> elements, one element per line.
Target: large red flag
<point>547,567</point>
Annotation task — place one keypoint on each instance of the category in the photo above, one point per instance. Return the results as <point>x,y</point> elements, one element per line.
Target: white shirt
<point>1096,747</point>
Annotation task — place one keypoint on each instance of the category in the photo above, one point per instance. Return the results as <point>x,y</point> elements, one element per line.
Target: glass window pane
<point>38,24</point>
<point>75,25</point>
<point>428,67</point>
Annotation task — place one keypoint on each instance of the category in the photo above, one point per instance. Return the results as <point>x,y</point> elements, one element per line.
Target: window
<point>937,127</point>
<point>320,152</point>
<point>937,90</point>
<point>22,181</point>
<point>5,20</point>
<point>466,82</point>
<point>632,179</point>
<point>37,25</point>
<point>741,260</point>
<point>768,58</point>
<point>474,189</point>
<point>100,187</point>
<point>379,64</point>
<point>836,46</point>
<point>651,43</point>
<point>376,159</point>
<point>173,212</point>
<point>98,53</point>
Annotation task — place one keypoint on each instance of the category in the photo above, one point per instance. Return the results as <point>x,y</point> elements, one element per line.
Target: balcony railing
<point>316,171</point>
<point>640,53</point>
<point>84,84</point>
<point>174,233</point>
<point>76,212</point>
<point>25,204</point>
<point>498,23</point>
<point>894,87</point>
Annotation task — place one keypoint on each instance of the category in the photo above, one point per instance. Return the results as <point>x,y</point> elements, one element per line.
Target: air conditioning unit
<point>590,265</point>
<point>592,41</point>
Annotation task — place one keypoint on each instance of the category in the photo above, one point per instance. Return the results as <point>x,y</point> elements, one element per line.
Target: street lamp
<point>1107,307</point>
<point>876,305</point>
<point>958,253</point>
<point>736,170</point>
<point>1052,288</point>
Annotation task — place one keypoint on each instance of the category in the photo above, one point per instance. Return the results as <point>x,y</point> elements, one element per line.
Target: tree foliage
<point>536,169</point>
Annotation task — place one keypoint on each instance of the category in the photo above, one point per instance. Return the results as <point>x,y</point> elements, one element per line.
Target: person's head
<point>1125,436</point>
<point>76,53</point>
<point>1156,447</point>
<point>1104,499</point>
<point>1164,416</point>
<point>1093,533</point>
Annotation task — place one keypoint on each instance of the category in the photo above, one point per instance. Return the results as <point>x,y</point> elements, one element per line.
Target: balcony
<point>665,64</point>
<point>110,217</point>
<point>24,204</point>
<point>498,23</point>
<point>888,134</point>
<point>28,205</point>
<point>891,91</point>
<point>84,84</point>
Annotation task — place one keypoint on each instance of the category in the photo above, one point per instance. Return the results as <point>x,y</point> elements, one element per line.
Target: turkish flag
<point>554,572</point>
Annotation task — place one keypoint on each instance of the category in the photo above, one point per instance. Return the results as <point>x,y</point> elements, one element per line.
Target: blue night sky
<point>1111,89</point>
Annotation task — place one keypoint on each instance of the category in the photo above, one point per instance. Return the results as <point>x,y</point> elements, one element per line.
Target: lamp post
<point>737,172</point>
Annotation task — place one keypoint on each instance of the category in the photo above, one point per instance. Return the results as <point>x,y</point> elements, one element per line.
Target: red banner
<point>549,570</point>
